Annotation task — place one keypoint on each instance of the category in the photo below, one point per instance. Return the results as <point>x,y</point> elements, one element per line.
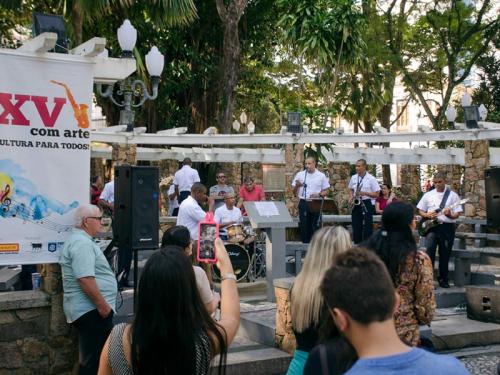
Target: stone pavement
<point>482,364</point>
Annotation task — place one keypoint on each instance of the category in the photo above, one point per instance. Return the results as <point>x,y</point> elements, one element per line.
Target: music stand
<point>321,205</point>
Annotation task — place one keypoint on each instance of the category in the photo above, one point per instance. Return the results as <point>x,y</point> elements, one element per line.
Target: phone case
<point>209,220</point>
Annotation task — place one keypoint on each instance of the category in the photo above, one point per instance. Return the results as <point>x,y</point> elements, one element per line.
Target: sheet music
<point>267,209</point>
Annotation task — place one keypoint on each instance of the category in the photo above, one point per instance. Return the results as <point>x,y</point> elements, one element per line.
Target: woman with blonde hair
<point>307,305</point>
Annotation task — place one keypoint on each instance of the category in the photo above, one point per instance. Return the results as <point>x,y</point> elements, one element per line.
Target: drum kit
<point>246,249</point>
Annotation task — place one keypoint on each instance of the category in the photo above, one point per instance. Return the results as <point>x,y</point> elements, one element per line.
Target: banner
<point>44,153</point>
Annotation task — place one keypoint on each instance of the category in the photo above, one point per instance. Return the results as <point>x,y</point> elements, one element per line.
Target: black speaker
<point>492,187</point>
<point>136,218</point>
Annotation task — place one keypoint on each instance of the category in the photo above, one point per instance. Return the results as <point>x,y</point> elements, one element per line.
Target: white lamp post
<point>128,88</point>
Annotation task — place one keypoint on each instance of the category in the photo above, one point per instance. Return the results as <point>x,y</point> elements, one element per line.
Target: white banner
<point>44,154</point>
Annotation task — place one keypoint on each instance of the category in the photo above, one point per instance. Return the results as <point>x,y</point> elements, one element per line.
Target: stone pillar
<point>284,336</point>
<point>339,174</point>
<point>477,159</point>
<point>253,169</point>
<point>234,175</point>
<point>124,154</point>
<point>294,162</point>
<point>453,176</point>
<point>97,168</point>
<point>410,183</point>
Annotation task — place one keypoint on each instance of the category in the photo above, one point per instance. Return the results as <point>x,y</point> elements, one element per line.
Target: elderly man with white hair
<point>90,287</point>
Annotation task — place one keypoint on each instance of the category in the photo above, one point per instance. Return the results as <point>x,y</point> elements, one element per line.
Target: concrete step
<point>457,332</point>
<point>246,357</point>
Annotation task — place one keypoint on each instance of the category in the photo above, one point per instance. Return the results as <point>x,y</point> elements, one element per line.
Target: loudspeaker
<point>492,187</point>
<point>483,303</point>
<point>136,218</point>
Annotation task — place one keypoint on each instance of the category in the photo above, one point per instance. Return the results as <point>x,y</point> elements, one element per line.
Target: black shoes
<point>443,283</point>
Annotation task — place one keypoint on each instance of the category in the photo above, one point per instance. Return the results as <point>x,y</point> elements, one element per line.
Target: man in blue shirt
<point>90,287</point>
<point>361,297</point>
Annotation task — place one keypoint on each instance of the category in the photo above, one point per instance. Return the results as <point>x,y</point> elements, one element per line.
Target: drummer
<point>227,214</point>
<point>309,183</point>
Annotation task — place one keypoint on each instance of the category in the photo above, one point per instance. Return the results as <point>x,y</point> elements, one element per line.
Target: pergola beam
<point>280,139</point>
<point>415,156</point>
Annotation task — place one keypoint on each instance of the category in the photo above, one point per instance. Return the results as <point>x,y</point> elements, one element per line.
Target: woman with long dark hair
<point>172,332</point>
<point>178,235</point>
<point>385,198</point>
<point>410,269</point>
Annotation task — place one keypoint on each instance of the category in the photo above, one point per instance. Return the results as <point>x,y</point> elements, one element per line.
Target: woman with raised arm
<point>172,332</point>
<point>385,198</point>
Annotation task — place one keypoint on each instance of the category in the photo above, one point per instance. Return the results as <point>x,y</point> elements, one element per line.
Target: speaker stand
<point>136,277</point>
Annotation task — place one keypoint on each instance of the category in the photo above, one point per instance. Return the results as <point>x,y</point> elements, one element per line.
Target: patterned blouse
<point>416,290</point>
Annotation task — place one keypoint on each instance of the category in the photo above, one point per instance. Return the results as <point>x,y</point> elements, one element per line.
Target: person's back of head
<point>198,187</point>
<point>178,235</point>
<point>358,284</point>
<point>187,161</point>
<point>307,301</point>
<point>170,317</point>
<point>394,242</point>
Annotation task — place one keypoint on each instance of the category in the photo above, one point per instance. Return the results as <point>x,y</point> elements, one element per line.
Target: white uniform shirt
<point>190,214</point>
<point>432,199</point>
<point>185,178</point>
<point>172,203</point>
<point>108,193</point>
<point>367,183</point>
<point>316,182</point>
<point>223,216</point>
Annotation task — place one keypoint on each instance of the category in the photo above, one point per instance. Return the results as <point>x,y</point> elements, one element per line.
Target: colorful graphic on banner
<point>44,154</point>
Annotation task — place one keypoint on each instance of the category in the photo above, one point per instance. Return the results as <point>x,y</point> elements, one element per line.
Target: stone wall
<point>284,336</point>
<point>34,335</point>
<point>253,169</point>
<point>477,159</point>
<point>453,176</point>
<point>339,175</point>
<point>410,184</point>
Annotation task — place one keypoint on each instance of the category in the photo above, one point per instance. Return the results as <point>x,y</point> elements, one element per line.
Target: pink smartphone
<point>207,233</point>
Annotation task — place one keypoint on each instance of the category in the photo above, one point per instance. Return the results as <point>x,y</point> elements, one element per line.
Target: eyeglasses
<point>95,217</point>
<point>221,176</point>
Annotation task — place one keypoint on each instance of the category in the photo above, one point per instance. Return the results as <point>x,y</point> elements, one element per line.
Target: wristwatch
<point>228,276</point>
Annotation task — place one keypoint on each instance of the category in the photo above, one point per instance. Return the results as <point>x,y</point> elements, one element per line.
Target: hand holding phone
<point>208,233</point>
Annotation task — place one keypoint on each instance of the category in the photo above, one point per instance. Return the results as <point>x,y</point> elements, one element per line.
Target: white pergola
<point>224,147</point>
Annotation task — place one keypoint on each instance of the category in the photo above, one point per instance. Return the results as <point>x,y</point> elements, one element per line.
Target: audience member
<point>95,189</point>
<point>89,287</point>
<point>410,270</point>
<point>249,192</point>
<point>219,191</point>
<point>184,179</point>
<point>179,236</point>
<point>308,309</point>
<point>172,332</point>
<point>227,215</point>
<point>107,198</point>
<point>386,197</point>
<point>360,294</point>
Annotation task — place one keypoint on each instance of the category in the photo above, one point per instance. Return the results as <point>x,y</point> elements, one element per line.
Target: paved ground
<point>482,364</point>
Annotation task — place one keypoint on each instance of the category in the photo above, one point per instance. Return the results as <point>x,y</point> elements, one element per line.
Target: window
<point>402,115</point>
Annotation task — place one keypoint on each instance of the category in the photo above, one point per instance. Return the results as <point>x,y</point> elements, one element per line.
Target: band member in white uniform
<point>184,179</point>
<point>309,183</point>
<point>441,236</point>
<point>363,189</point>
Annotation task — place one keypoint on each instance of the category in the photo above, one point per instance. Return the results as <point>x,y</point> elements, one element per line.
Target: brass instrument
<point>357,200</point>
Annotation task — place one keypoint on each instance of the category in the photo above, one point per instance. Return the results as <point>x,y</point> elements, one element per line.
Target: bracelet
<point>228,276</point>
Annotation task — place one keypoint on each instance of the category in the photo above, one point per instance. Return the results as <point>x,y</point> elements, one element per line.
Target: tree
<point>451,35</point>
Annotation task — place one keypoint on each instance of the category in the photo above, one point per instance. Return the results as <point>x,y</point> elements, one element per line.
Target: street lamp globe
<point>154,62</point>
<point>466,100</point>
<point>127,36</point>
<point>451,114</point>
<point>243,118</point>
<point>236,125</point>
<point>483,112</point>
<point>251,127</point>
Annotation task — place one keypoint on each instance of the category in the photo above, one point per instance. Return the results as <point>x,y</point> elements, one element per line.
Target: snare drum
<point>239,259</point>
<point>249,235</point>
<point>235,233</point>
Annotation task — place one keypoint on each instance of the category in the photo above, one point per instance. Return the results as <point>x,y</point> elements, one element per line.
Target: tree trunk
<point>77,22</point>
<point>230,16</point>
